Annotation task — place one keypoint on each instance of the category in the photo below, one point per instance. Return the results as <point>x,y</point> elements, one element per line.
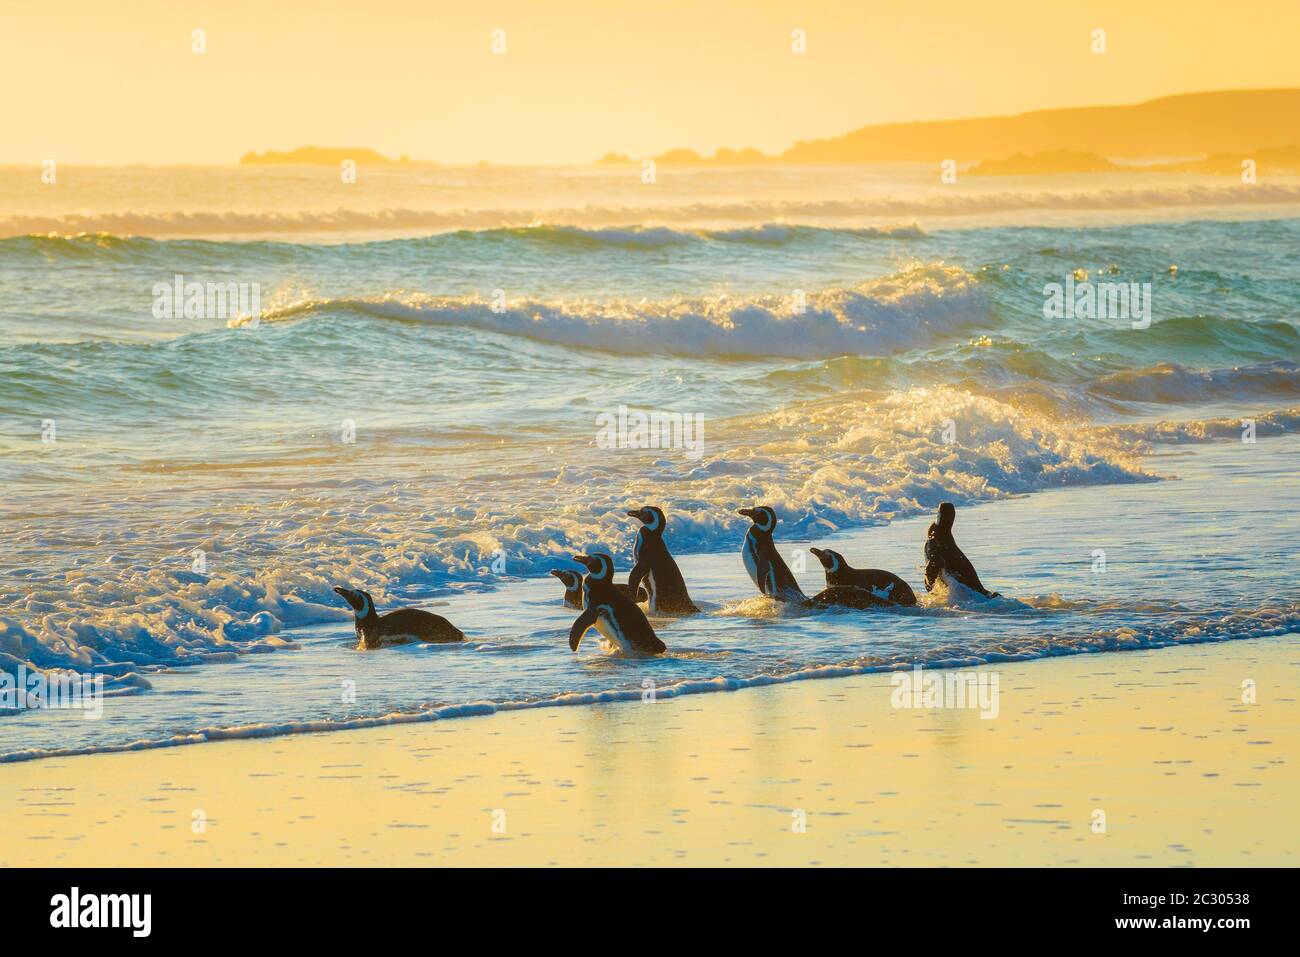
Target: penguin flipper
<point>933,561</point>
<point>965,573</point>
<point>585,621</point>
<point>845,596</point>
<point>638,572</point>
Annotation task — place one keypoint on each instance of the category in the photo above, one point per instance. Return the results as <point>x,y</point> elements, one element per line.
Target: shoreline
<point>1204,780</point>
<point>1020,554</point>
<point>687,689</point>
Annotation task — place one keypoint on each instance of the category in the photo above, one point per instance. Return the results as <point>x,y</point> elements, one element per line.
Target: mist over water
<point>417,415</point>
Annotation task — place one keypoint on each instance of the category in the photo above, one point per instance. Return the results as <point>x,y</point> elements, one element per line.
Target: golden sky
<point>84,81</point>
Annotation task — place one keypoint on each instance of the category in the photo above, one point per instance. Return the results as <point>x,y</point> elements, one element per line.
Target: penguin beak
<point>747,512</point>
<point>586,561</point>
<point>818,552</point>
<point>351,597</point>
<point>638,514</point>
<point>558,574</point>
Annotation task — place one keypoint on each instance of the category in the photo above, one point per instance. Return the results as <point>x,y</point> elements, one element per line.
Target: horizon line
<point>412,161</point>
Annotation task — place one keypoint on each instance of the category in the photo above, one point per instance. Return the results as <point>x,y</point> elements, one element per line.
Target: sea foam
<point>920,306</point>
<point>851,460</point>
<point>808,211</point>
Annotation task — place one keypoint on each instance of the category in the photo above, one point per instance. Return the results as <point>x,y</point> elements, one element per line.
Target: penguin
<point>655,566</point>
<point>943,557</point>
<point>763,562</point>
<point>396,627</point>
<point>573,588</point>
<point>881,583</point>
<point>616,616</point>
<point>846,596</point>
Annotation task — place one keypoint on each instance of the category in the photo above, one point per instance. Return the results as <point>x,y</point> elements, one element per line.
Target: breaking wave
<point>850,461</point>
<point>200,223</point>
<point>919,307</point>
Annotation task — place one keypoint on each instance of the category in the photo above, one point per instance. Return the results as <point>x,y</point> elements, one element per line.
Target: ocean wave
<point>1170,383</point>
<point>1279,618</point>
<point>849,461</point>
<point>138,248</point>
<point>891,208</point>
<point>918,307</point>
<point>1208,333</point>
<point>1270,424</point>
<point>657,237</point>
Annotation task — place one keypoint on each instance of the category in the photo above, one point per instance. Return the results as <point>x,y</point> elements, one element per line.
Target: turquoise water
<point>420,416</point>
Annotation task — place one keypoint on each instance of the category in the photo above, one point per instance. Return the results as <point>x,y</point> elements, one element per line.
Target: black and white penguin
<point>763,562</point>
<point>846,596</point>
<point>944,558</point>
<point>616,616</point>
<point>397,627</point>
<point>655,566</point>
<point>881,583</point>
<point>573,587</point>
<point>572,582</point>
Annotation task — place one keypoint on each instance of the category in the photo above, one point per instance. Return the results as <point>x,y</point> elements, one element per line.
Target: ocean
<point>418,404</point>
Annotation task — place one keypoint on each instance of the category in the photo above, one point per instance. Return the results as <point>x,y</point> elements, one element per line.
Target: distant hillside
<point>688,157</point>
<point>1192,124</point>
<point>1037,164</point>
<point>1281,159</point>
<point>1278,159</point>
<point>320,156</point>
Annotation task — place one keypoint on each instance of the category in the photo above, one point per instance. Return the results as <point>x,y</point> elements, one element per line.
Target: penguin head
<point>651,516</point>
<point>572,580</point>
<point>947,515</point>
<point>763,517</point>
<point>599,566</point>
<point>363,606</point>
<point>832,561</point>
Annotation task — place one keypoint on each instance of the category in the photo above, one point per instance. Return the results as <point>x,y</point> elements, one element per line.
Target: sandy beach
<point>823,772</point>
<point>439,441</point>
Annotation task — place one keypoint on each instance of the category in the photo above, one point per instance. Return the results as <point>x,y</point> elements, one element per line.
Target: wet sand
<point>1135,758</point>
